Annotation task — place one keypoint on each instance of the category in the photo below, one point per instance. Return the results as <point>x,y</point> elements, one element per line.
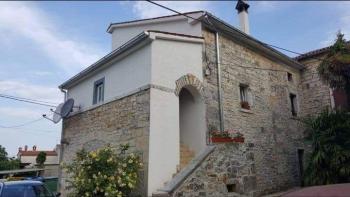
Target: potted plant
<point>245,105</point>
<point>226,136</point>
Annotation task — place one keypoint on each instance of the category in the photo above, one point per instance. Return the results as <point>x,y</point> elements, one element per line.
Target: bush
<point>330,158</point>
<point>103,172</point>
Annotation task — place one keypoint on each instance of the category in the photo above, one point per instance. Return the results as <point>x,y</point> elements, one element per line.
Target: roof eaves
<point>110,27</point>
<point>128,45</point>
<point>288,60</point>
<point>314,52</point>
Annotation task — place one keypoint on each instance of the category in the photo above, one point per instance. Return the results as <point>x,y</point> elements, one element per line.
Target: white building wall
<point>123,76</point>
<point>173,59</point>
<point>32,159</point>
<point>164,139</point>
<point>120,35</point>
<point>170,61</point>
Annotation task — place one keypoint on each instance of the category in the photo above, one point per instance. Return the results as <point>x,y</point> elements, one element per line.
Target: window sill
<point>248,111</point>
<point>295,118</point>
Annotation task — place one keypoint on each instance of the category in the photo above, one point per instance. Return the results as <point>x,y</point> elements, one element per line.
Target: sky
<point>42,44</point>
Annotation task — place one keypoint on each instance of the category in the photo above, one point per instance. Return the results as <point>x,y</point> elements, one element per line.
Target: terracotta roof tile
<point>35,153</point>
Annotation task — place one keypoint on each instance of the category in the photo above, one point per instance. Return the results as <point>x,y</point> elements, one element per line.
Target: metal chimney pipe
<point>242,8</point>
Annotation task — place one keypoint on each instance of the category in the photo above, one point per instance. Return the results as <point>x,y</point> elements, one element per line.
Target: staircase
<point>186,155</point>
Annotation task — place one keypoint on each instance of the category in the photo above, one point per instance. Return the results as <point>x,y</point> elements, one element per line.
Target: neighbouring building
<point>28,159</point>
<point>170,79</point>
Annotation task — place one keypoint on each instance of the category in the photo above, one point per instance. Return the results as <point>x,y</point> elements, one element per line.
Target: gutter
<point>60,158</point>
<point>218,63</point>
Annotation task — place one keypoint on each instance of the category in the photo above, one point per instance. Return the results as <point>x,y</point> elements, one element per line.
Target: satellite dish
<point>67,107</point>
<point>57,114</point>
<point>62,111</point>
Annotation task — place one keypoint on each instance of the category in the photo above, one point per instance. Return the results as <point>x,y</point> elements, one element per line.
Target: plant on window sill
<point>226,136</point>
<point>245,105</point>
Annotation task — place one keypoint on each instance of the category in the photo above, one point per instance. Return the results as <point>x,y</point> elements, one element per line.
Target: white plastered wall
<point>120,35</point>
<point>123,76</point>
<point>170,61</point>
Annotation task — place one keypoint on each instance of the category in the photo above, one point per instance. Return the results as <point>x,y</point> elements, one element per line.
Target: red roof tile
<point>35,153</point>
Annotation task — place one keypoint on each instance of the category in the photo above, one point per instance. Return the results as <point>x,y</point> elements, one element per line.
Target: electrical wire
<point>26,100</point>
<point>266,44</point>
<point>34,100</point>
<point>21,125</point>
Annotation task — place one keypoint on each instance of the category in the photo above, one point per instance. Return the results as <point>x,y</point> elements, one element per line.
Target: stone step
<point>186,155</point>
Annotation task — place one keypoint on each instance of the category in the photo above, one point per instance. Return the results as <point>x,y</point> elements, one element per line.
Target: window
<point>293,102</point>
<point>244,94</point>
<point>99,91</point>
<point>290,76</point>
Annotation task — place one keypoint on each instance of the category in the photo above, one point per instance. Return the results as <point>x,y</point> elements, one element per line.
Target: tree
<point>330,158</point>
<point>335,68</point>
<point>7,163</point>
<point>41,158</point>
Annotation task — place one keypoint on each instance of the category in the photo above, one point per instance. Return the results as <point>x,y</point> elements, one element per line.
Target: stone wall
<point>118,122</point>
<point>269,124</point>
<point>315,94</point>
<point>228,170</point>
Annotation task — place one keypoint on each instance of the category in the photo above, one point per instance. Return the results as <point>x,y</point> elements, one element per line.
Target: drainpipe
<point>218,62</point>
<point>61,147</point>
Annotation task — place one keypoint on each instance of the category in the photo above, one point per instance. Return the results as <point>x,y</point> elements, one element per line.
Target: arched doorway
<point>192,124</point>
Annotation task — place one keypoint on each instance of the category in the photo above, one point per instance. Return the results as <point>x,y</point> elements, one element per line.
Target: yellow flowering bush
<point>103,172</point>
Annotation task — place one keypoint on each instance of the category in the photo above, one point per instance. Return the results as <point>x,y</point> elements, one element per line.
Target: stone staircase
<point>186,155</point>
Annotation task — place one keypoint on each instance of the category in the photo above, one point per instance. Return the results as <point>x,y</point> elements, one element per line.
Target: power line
<point>270,45</point>
<point>29,99</point>
<point>21,125</point>
<point>26,100</point>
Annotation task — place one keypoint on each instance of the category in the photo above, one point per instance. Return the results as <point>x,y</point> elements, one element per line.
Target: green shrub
<point>329,163</point>
<point>103,172</point>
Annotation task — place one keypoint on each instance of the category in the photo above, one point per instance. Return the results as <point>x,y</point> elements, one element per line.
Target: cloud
<point>32,91</point>
<point>25,20</point>
<point>145,9</point>
<point>342,24</point>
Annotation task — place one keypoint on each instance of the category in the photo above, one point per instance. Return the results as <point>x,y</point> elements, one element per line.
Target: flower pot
<point>227,140</point>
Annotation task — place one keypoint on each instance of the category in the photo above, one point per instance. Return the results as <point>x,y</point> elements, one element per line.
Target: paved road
<point>336,190</point>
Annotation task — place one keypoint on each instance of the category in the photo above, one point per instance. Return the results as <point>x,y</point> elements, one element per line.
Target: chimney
<point>34,148</point>
<point>242,8</point>
<point>19,149</point>
<point>25,148</point>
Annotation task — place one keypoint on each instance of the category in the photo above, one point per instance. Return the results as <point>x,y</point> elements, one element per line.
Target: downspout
<point>218,62</point>
<point>61,146</point>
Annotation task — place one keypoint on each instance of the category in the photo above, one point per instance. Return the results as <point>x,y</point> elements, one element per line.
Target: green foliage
<point>104,172</point>
<point>41,158</point>
<point>330,159</point>
<point>335,68</point>
<point>7,163</point>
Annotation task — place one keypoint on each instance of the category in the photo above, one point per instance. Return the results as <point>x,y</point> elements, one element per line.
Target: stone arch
<point>189,80</point>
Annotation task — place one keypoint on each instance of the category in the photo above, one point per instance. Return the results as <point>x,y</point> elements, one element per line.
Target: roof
<point>35,153</point>
<point>143,37</point>
<point>110,27</point>
<point>219,24</point>
<point>251,42</point>
<point>314,53</point>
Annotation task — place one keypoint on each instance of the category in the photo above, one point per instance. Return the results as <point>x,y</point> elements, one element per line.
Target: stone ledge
<point>248,111</point>
<point>183,174</point>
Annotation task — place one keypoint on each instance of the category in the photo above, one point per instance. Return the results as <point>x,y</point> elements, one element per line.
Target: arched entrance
<point>192,123</point>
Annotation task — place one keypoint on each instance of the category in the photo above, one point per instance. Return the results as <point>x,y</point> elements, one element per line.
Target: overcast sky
<point>42,44</point>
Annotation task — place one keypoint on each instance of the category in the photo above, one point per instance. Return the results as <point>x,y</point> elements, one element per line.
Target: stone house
<point>169,80</point>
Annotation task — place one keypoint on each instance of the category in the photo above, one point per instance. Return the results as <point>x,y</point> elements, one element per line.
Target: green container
<point>51,183</point>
